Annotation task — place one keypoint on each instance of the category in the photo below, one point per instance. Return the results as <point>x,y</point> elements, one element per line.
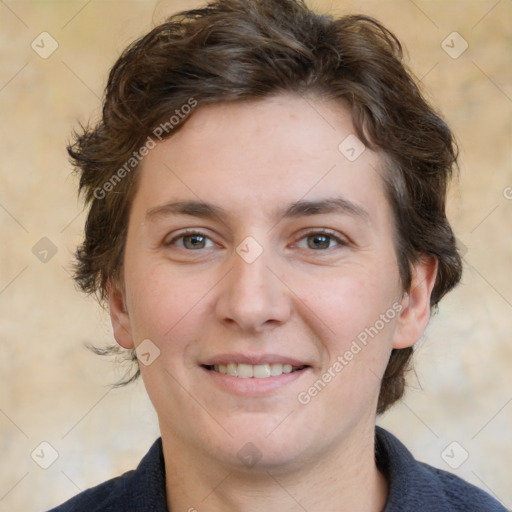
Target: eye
<point>191,241</point>
<point>320,240</point>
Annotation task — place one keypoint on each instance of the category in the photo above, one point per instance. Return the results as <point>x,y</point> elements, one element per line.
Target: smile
<point>256,371</point>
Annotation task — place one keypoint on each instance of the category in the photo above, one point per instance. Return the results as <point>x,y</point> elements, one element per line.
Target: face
<point>260,269</point>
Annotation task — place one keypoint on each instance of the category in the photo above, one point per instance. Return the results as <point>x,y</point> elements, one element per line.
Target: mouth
<point>254,371</point>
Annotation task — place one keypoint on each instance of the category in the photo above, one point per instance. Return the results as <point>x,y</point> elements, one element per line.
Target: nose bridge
<point>253,296</point>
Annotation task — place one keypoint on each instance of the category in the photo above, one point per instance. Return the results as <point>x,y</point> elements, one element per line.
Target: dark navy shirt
<point>413,486</point>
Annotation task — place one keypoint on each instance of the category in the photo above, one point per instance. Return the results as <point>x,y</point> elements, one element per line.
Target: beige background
<point>54,390</point>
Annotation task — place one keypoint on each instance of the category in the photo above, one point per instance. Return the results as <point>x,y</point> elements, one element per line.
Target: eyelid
<point>342,240</point>
<point>186,232</point>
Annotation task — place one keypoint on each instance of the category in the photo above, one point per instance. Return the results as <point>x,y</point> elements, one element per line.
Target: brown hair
<point>246,49</point>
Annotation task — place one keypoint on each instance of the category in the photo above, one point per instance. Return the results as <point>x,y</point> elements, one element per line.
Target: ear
<point>415,314</point>
<point>119,316</point>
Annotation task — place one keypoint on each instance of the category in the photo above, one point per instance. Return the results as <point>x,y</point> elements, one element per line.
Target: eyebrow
<point>296,209</point>
<point>330,205</point>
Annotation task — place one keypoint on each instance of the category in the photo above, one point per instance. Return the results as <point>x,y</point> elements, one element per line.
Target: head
<point>247,106</point>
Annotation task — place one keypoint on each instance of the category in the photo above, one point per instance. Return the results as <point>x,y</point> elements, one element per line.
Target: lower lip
<point>254,386</point>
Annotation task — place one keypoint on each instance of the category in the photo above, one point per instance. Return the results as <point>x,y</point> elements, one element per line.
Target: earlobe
<point>415,314</point>
<point>119,317</point>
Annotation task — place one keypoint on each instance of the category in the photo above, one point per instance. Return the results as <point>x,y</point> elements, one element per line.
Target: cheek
<point>167,304</point>
<point>351,302</point>
<point>156,300</point>
<point>356,332</point>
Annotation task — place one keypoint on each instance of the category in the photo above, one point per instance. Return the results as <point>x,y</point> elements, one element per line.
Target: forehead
<point>254,155</point>
<point>280,128</point>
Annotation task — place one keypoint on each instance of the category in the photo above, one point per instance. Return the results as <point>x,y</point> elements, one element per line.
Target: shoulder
<point>135,491</point>
<point>108,496</point>
<point>461,494</point>
<point>416,486</point>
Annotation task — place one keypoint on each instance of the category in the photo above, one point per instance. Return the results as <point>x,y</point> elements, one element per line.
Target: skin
<point>303,297</point>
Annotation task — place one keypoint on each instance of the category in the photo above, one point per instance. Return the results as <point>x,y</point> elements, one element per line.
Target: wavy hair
<point>245,49</point>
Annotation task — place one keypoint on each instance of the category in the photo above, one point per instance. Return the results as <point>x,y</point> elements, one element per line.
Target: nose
<point>253,297</point>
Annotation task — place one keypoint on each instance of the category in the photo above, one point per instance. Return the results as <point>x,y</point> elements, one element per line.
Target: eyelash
<point>327,233</point>
<point>184,234</point>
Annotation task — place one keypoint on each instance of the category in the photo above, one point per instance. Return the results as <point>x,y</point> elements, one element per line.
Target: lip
<point>253,359</point>
<point>254,387</point>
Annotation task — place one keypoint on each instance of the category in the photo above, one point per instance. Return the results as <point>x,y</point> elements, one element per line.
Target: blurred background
<point>62,428</point>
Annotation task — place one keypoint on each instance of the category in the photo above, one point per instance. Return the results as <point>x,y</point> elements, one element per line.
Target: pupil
<point>194,241</point>
<point>320,242</point>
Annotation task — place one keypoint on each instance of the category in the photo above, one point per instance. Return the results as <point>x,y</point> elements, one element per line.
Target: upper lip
<point>253,359</point>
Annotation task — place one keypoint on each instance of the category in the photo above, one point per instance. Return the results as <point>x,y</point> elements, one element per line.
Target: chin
<point>261,445</point>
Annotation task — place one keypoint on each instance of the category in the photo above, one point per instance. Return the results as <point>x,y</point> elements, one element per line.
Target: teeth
<point>276,369</point>
<point>258,371</point>
<point>244,371</point>
<point>261,371</point>
<point>232,369</point>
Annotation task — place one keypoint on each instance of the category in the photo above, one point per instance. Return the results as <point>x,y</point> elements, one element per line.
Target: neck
<point>345,479</point>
